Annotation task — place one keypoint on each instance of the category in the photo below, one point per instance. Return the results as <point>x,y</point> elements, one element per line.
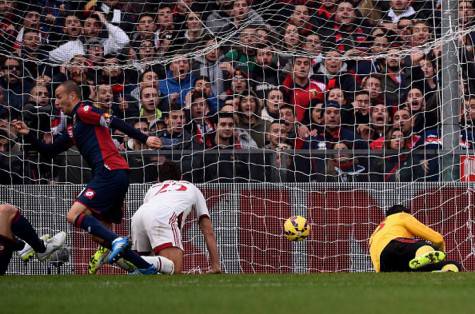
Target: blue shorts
<point>104,195</point>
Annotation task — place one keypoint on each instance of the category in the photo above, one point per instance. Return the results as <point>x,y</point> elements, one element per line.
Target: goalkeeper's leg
<point>426,255</point>
<point>442,267</point>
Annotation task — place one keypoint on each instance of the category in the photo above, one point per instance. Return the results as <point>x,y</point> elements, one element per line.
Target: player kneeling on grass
<point>13,226</point>
<point>401,243</point>
<point>156,225</point>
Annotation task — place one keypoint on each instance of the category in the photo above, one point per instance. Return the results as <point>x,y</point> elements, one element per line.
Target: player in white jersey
<point>156,225</point>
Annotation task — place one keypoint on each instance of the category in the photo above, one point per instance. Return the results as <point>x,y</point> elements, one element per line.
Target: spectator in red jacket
<point>299,89</point>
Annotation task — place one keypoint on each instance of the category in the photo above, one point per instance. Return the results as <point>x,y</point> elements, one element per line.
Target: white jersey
<point>179,197</point>
<point>157,224</point>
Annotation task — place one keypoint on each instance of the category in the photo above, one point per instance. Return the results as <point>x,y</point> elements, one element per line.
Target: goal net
<point>333,110</point>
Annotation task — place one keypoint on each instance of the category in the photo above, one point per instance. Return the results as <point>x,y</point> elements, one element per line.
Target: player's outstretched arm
<point>61,143</point>
<point>422,231</point>
<point>95,116</point>
<point>210,239</point>
<point>151,141</point>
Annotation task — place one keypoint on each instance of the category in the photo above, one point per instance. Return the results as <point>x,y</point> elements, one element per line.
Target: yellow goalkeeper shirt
<point>400,225</point>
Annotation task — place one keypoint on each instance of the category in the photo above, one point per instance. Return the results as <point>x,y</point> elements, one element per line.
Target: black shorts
<point>398,253</point>
<point>104,195</point>
<point>7,246</point>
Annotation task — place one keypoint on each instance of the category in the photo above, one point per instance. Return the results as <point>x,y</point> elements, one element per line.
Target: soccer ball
<point>296,228</point>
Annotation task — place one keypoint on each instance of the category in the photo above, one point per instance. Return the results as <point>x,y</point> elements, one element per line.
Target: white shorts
<point>154,229</point>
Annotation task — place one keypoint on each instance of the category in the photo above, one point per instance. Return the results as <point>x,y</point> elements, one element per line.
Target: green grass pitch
<point>316,293</point>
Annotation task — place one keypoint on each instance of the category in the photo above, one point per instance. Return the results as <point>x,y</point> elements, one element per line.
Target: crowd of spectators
<point>359,79</point>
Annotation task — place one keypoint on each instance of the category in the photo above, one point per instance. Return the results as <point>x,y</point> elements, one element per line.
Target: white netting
<point>250,92</point>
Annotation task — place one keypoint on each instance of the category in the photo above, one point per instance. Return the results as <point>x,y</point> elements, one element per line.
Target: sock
<point>22,228</point>
<point>95,227</point>
<point>135,259</point>
<point>424,249</point>
<point>163,264</point>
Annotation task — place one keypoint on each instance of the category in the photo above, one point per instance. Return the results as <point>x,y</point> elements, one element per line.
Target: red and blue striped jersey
<point>89,131</point>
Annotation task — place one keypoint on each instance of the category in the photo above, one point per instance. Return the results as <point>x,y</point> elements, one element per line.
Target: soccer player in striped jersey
<point>100,203</point>
<point>401,243</point>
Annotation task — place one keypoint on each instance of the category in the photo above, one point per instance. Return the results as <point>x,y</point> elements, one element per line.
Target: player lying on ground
<point>156,225</point>
<point>100,203</point>
<point>13,226</point>
<point>401,243</point>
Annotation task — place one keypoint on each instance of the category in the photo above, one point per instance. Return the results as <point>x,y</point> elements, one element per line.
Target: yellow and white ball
<point>296,228</point>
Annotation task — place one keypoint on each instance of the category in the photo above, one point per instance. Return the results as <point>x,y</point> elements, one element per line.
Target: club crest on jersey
<point>86,108</point>
<point>70,131</point>
<point>89,193</point>
<point>107,118</point>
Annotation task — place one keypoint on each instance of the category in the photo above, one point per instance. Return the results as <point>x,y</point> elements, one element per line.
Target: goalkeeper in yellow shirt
<point>402,243</point>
